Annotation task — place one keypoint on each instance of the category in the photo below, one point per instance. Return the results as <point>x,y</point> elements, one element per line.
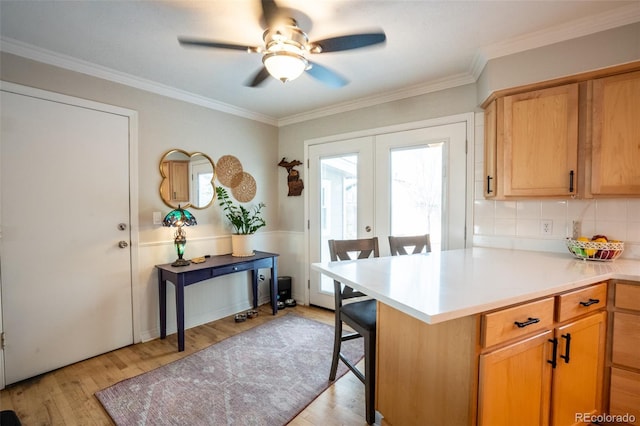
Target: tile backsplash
<point>520,224</point>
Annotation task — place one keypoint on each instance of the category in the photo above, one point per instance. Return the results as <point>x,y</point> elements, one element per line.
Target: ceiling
<point>430,45</point>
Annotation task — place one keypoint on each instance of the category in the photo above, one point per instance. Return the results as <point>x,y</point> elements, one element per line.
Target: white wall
<point>592,52</point>
<point>164,124</point>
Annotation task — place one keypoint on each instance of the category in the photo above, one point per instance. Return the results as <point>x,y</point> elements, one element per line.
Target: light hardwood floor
<point>66,396</point>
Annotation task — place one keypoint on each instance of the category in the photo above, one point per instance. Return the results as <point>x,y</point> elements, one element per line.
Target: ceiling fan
<point>286,46</point>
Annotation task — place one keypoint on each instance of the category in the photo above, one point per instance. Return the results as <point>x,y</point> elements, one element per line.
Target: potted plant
<point>245,222</point>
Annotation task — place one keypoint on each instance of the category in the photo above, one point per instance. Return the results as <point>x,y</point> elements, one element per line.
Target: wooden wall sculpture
<point>293,176</point>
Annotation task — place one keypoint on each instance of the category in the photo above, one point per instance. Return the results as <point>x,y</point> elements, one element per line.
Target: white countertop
<point>437,287</point>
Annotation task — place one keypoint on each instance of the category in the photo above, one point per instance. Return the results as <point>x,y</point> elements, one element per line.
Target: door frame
<point>132,117</point>
<point>467,118</point>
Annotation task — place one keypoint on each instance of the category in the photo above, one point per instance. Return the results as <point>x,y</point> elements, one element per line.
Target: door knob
<point>123,244</point>
<point>367,228</point>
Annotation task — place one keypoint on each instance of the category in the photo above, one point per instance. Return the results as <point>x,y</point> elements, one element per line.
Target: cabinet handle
<point>590,302</point>
<point>567,347</point>
<point>554,355</point>
<point>489,190</point>
<point>529,321</point>
<point>571,181</point>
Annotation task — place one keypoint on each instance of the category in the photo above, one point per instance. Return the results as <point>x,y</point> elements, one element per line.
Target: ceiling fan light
<point>284,65</point>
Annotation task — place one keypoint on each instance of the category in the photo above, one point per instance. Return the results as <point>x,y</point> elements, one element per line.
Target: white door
<point>409,182</point>
<point>341,203</point>
<point>421,185</point>
<point>66,282</point>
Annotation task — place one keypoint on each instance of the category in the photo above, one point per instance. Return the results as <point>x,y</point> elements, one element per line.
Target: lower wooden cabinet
<point>577,378</point>
<point>515,383</point>
<point>525,384</point>
<point>624,382</point>
<point>624,399</point>
<point>521,365</point>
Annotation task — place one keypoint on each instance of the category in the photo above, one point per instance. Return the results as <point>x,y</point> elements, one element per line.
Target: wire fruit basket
<point>593,250</point>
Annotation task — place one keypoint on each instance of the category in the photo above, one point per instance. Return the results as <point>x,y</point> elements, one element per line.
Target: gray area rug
<point>263,376</point>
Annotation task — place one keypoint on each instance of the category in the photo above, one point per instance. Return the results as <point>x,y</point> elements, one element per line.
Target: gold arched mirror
<point>187,179</point>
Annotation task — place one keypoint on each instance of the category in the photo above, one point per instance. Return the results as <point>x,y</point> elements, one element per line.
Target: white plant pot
<point>242,245</point>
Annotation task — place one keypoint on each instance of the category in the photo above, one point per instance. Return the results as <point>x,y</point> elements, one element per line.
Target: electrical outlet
<point>577,229</point>
<point>157,218</point>
<point>546,227</point>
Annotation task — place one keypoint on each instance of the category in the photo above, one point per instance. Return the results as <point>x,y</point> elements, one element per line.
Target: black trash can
<point>284,288</point>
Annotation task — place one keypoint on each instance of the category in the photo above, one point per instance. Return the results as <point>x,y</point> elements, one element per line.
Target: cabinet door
<point>179,180</point>
<point>626,340</point>
<point>624,399</point>
<point>616,135</point>
<point>515,382</point>
<point>490,141</point>
<point>540,142</point>
<point>577,378</point>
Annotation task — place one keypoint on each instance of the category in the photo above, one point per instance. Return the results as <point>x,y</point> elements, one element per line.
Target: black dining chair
<point>359,315</point>
<point>399,245</point>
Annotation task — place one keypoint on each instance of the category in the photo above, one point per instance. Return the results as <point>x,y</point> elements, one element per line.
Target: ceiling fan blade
<point>210,43</point>
<point>259,78</point>
<point>348,42</point>
<point>271,12</point>
<point>327,76</point>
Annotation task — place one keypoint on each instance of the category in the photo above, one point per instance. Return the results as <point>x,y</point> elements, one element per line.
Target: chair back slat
<point>399,245</point>
<point>350,250</point>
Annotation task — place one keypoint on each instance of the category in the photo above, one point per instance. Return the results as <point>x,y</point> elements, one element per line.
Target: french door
<point>341,202</point>
<point>399,183</point>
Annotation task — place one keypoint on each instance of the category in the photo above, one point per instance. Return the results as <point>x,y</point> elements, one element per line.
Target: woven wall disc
<point>226,168</point>
<point>243,187</point>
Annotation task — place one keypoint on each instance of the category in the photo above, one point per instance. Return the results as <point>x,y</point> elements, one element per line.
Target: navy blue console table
<point>214,266</point>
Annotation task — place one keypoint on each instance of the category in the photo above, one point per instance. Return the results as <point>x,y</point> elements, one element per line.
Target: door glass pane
<point>338,205</point>
<point>416,192</point>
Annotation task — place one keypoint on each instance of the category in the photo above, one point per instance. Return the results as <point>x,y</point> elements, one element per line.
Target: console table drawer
<point>197,276</point>
<point>234,268</point>
<point>580,302</point>
<point>509,323</point>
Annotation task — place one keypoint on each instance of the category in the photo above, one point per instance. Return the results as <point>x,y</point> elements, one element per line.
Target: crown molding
<point>570,30</point>
<point>407,92</point>
<point>73,64</point>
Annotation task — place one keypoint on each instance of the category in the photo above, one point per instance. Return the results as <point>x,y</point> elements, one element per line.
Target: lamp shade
<point>179,217</point>
<point>285,65</point>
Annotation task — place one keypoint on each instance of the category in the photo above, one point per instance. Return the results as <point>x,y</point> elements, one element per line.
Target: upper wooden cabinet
<point>531,144</point>
<point>574,137</point>
<point>540,142</point>
<point>615,153</point>
<point>177,173</point>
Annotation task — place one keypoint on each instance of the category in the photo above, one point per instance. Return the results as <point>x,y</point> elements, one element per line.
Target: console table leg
<point>254,287</point>
<point>162,292</point>
<point>180,312</point>
<point>274,287</point>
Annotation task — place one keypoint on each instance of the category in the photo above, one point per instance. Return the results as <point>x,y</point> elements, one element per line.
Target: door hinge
<point>2,341</point>
<point>308,284</point>
<point>308,224</point>
<point>307,163</point>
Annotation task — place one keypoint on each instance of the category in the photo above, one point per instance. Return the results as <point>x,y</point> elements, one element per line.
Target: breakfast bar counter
<point>441,286</point>
<point>482,336</point>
